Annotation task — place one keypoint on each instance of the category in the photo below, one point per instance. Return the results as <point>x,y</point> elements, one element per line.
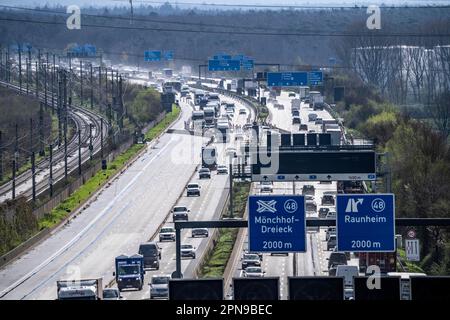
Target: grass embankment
<point>215,264</point>
<point>101,177</point>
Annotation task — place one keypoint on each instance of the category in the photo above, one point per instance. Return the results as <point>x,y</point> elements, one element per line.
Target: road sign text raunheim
<point>365,222</point>
<point>277,223</point>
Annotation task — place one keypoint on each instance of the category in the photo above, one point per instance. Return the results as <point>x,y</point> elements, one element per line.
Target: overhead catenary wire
<point>242,33</point>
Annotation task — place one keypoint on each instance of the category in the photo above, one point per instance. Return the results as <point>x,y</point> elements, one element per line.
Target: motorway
<point>208,206</point>
<point>126,212</point>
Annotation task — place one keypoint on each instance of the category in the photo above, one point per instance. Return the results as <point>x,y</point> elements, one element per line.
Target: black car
<point>337,258</point>
<point>328,200</point>
<point>323,212</point>
<point>152,254</point>
<point>199,232</point>
<point>308,189</point>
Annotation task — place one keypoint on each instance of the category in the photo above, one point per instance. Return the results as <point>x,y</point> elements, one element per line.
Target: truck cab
<point>85,289</point>
<point>130,271</point>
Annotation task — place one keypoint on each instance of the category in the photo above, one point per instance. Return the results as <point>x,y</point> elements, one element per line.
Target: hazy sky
<point>231,2</point>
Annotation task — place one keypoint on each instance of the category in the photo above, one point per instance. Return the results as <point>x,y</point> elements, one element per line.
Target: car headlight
<point>138,279</point>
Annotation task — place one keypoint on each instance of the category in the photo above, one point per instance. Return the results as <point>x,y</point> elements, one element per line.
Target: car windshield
<point>251,257</point>
<point>179,209</point>
<point>110,293</point>
<point>166,230</point>
<point>192,185</point>
<point>253,269</point>
<point>160,280</point>
<point>186,246</point>
<point>128,269</point>
<point>204,170</point>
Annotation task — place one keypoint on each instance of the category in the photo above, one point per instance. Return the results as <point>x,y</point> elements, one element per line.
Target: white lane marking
<point>81,233</point>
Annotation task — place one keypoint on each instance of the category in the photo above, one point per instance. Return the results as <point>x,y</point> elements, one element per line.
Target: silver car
<point>159,286</point>
<point>254,272</point>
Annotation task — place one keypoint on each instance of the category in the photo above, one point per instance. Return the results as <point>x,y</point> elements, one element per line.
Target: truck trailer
<point>85,289</point>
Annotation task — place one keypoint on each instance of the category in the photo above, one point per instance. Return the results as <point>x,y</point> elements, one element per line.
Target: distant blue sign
<point>277,223</point>
<point>287,79</point>
<point>224,65</point>
<point>84,51</point>
<point>247,64</point>
<point>152,55</point>
<point>222,56</point>
<point>365,222</point>
<point>315,78</point>
<point>168,55</point>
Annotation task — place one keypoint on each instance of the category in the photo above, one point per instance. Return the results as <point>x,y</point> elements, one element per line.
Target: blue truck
<point>130,272</point>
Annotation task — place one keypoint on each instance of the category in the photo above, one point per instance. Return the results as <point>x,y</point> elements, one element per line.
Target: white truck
<point>85,289</point>
<point>209,116</point>
<point>315,99</point>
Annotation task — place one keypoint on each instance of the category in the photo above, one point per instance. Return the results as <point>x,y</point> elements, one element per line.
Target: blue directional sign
<point>224,65</point>
<point>287,79</point>
<point>168,55</point>
<point>222,56</point>
<point>82,51</point>
<point>277,223</point>
<point>153,55</point>
<point>247,63</point>
<point>315,78</point>
<point>365,222</point>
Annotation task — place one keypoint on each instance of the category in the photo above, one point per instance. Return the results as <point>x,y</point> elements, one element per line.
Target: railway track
<point>82,118</point>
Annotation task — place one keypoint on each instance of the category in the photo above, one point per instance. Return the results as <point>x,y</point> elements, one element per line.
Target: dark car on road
<point>337,258</point>
<point>323,212</point>
<point>152,254</point>
<point>308,189</point>
<point>331,243</point>
<point>199,232</point>
<point>328,200</point>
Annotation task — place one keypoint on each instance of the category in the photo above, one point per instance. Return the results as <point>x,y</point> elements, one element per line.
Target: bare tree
<point>440,113</point>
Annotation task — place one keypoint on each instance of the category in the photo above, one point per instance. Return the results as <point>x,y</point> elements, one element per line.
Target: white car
<point>221,169</point>
<point>188,250</point>
<point>242,111</point>
<point>253,272</point>
<point>266,186</point>
<point>193,189</point>
<point>159,286</point>
<point>167,233</point>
